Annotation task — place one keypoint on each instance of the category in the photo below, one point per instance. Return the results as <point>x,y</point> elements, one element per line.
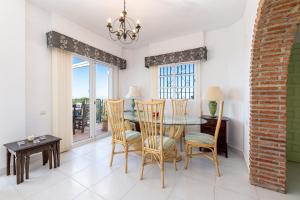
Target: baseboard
<point>235,150</point>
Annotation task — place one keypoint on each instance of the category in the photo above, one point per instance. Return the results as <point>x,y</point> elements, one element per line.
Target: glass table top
<point>169,120</point>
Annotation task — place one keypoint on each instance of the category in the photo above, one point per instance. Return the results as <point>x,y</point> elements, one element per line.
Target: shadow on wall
<point>234,110</point>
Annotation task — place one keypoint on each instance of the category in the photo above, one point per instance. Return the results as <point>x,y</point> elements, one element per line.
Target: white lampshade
<point>133,92</point>
<point>214,93</point>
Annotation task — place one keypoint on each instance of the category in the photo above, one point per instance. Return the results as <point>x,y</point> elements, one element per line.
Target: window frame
<point>173,88</point>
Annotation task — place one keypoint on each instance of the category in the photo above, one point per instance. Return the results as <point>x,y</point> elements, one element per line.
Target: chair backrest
<point>85,110</point>
<point>221,108</point>
<point>179,107</point>
<point>151,116</point>
<point>115,114</point>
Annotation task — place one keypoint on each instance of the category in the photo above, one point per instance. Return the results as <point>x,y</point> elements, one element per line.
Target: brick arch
<point>274,34</point>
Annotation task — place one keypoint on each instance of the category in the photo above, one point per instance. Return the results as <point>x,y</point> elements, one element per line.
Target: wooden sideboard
<point>210,127</point>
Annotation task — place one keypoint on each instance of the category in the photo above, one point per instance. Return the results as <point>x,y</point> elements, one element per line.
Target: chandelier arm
<point>130,32</point>
<point>114,39</point>
<point>132,38</point>
<point>121,26</point>
<point>129,22</point>
<point>113,32</point>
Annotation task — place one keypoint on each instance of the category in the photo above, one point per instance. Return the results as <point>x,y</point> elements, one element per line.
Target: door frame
<point>92,97</point>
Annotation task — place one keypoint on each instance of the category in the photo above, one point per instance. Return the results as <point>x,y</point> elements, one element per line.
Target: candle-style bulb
<point>109,21</point>
<point>138,21</point>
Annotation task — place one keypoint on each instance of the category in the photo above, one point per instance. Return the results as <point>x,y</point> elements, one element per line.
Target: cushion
<point>132,135</point>
<point>200,138</point>
<point>167,142</point>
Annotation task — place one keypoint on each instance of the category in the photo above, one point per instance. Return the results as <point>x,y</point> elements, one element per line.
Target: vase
<point>212,105</point>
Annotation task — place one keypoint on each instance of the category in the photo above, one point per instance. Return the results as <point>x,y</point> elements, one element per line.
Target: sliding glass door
<point>102,92</point>
<point>90,89</point>
<point>81,98</point>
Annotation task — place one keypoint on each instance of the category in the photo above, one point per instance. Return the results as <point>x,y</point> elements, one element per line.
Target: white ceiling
<point>160,19</point>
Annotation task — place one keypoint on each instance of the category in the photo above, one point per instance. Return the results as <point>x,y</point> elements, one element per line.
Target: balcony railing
<point>100,112</point>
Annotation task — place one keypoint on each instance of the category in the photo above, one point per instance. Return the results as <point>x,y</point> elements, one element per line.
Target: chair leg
<point>162,172</point>
<point>143,164</point>
<point>186,156</point>
<point>216,162</point>
<point>175,158</point>
<point>112,153</point>
<point>191,151</point>
<point>126,158</point>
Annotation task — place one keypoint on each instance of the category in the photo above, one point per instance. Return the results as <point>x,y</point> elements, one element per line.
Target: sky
<point>80,80</point>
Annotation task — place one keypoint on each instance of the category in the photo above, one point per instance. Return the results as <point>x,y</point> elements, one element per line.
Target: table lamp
<point>214,94</point>
<point>132,94</point>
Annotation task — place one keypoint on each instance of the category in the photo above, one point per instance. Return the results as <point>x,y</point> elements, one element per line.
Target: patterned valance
<point>177,57</point>
<point>58,40</point>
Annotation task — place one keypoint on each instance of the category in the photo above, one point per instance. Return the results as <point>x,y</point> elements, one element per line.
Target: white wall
<point>227,66</point>
<point>249,21</point>
<point>38,71</point>
<point>38,63</point>
<point>224,68</point>
<point>140,76</point>
<point>12,73</point>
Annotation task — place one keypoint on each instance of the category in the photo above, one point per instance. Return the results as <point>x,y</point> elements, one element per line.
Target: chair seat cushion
<point>200,138</point>
<point>167,142</point>
<point>132,135</point>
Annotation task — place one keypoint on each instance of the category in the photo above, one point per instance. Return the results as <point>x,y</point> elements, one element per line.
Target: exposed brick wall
<point>274,34</point>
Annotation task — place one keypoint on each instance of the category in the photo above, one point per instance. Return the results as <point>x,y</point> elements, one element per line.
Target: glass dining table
<point>187,120</point>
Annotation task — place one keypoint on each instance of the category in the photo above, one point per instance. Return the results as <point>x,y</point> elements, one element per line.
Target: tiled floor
<point>84,174</point>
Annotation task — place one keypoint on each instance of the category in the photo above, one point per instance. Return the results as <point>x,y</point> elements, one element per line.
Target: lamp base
<point>212,105</point>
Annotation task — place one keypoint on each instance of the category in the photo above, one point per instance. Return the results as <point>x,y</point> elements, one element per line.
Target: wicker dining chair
<point>206,141</point>
<point>156,147</point>
<point>178,110</point>
<point>121,136</point>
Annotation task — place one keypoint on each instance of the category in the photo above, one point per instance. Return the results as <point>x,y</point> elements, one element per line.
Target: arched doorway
<point>274,35</point>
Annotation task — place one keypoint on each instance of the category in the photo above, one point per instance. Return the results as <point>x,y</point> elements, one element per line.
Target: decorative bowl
<point>30,138</point>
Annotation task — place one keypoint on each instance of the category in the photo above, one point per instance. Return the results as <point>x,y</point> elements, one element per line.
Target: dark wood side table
<point>210,127</point>
<point>21,154</point>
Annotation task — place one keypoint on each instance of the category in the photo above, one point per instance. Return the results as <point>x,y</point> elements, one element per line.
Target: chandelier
<point>124,28</point>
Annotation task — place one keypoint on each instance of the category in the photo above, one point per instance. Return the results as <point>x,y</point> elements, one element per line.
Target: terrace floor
<point>79,136</point>
<point>84,174</point>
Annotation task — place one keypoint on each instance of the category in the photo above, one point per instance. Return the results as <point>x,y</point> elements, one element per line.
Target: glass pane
<point>102,78</point>
<point>177,81</point>
<point>80,99</point>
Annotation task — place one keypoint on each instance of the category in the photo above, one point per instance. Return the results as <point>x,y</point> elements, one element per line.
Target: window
<point>177,81</point>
